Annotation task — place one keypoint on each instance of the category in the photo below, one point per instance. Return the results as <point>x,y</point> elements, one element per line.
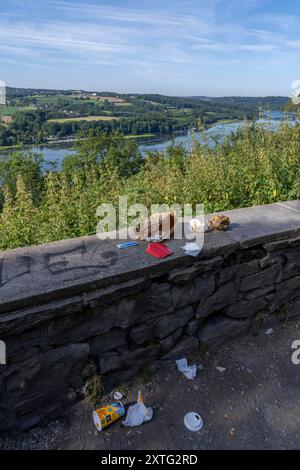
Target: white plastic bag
<point>138,414</point>
<point>188,371</point>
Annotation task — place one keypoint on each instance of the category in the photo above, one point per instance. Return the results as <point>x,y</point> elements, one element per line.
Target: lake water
<point>215,133</point>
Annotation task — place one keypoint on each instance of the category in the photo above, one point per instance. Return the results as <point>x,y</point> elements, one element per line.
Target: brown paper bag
<point>157,227</point>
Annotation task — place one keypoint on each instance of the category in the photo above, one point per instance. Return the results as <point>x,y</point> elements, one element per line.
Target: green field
<point>12,110</point>
<point>53,99</point>
<point>138,136</point>
<point>226,121</point>
<point>10,147</point>
<point>84,118</point>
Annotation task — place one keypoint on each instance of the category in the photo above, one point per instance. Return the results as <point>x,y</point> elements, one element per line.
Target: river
<point>215,133</point>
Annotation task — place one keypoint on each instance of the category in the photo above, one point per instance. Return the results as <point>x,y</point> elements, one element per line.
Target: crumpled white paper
<point>192,249</point>
<point>188,371</point>
<point>138,414</point>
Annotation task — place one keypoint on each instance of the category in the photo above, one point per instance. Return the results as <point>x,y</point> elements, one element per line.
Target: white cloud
<point>121,14</point>
<point>231,47</point>
<point>281,21</point>
<point>146,38</point>
<point>65,36</point>
<point>293,43</point>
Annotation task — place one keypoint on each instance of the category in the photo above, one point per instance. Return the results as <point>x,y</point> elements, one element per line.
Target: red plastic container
<point>159,250</point>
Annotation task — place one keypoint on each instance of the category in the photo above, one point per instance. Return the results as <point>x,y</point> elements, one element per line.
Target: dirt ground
<point>253,404</point>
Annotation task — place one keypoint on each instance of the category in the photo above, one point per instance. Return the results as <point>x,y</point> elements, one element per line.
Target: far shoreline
<point>71,140</point>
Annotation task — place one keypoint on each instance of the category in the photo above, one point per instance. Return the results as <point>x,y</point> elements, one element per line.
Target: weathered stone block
<point>271,259</point>
<point>115,292</point>
<point>34,317</point>
<point>109,362</point>
<point>225,295</point>
<point>184,275</point>
<point>287,291</point>
<point>111,340</point>
<point>170,323</point>
<point>92,323</point>
<point>282,244</point>
<point>192,326</point>
<point>144,332</point>
<point>247,308</point>
<point>199,289</point>
<point>40,387</point>
<point>59,366</point>
<point>24,354</point>
<point>220,329</point>
<point>153,302</point>
<point>25,345</point>
<point>168,342</point>
<point>162,326</point>
<point>294,309</point>
<point>237,270</point>
<point>291,264</point>
<point>263,278</point>
<point>254,294</point>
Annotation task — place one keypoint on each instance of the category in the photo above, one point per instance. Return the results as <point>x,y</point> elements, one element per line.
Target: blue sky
<point>175,47</point>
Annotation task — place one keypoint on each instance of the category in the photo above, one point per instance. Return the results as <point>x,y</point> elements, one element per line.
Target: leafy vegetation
<point>252,166</point>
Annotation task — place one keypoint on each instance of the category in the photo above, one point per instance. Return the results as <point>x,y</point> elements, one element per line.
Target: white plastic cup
<point>193,421</point>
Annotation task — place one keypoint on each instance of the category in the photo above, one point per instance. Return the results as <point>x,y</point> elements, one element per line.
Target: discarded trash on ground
<point>189,371</point>
<point>127,245</point>
<point>269,331</point>
<point>192,249</point>
<point>118,396</point>
<point>219,222</point>
<point>158,227</point>
<point>138,414</point>
<point>193,421</point>
<point>221,369</point>
<point>158,250</point>
<point>107,415</point>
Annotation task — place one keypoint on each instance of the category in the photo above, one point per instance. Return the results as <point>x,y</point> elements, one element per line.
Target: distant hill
<point>277,101</point>
<point>271,102</point>
<point>20,92</point>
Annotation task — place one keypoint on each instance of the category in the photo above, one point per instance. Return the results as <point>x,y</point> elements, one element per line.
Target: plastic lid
<point>193,421</point>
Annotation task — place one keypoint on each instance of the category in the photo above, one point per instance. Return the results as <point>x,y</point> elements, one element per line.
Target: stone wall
<point>76,308</point>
